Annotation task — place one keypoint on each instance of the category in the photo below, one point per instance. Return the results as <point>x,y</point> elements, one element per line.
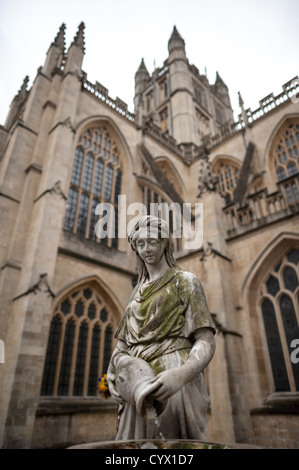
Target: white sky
<point>252,43</point>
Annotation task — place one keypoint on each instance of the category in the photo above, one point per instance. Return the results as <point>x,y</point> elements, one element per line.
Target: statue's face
<point>149,247</point>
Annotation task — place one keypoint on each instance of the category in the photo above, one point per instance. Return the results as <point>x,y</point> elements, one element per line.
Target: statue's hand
<point>168,383</point>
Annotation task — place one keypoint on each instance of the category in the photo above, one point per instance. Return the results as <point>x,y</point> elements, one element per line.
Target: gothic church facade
<point>65,148</point>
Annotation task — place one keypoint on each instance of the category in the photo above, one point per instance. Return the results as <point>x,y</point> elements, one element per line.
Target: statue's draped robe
<point>157,326</point>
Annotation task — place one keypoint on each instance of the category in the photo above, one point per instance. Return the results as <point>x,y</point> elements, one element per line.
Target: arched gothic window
<point>286,153</point>
<point>280,312</point>
<point>96,178</point>
<point>79,345</point>
<point>228,175</point>
<point>157,206</point>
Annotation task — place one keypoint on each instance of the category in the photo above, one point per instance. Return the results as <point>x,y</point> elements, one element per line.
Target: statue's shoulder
<point>187,278</point>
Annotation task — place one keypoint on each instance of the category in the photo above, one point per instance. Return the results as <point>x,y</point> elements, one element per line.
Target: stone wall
<point>63,422</point>
<point>276,430</point>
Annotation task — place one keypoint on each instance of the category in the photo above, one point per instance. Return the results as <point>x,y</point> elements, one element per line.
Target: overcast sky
<point>252,44</point>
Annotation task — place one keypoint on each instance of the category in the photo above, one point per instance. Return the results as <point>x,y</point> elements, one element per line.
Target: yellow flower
<point>103,387</point>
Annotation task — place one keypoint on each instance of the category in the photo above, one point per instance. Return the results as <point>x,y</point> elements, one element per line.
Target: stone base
<point>161,444</point>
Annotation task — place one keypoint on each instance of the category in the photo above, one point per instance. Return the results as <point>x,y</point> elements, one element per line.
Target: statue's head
<point>155,227</point>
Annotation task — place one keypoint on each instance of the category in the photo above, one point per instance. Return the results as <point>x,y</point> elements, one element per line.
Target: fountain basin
<point>155,444</point>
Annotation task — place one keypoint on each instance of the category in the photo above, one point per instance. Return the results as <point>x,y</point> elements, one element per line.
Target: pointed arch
<point>227,168</point>
<point>101,171</point>
<point>94,120</point>
<point>270,295</point>
<point>268,256</point>
<point>80,339</point>
<point>172,174</point>
<point>273,142</point>
<point>104,290</point>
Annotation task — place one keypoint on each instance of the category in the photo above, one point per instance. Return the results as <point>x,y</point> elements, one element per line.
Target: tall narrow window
<point>228,175</point>
<point>96,177</point>
<point>279,306</point>
<point>94,359</point>
<point>81,359</point>
<point>71,209</point>
<point>79,344</point>
<point>52,356</point>
<point>83,214</point>
<point>286,153</point>
<point>66,359</point>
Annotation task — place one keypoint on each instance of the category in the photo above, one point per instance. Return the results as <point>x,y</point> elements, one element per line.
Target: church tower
<point>180,101</point>
<point>183,112</point>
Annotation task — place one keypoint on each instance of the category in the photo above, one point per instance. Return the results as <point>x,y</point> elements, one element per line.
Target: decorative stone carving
<point>56,189</point>
<point>43,282</point>
<point>207,178</point>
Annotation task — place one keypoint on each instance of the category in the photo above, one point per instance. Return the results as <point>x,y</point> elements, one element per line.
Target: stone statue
<point>165,340</point>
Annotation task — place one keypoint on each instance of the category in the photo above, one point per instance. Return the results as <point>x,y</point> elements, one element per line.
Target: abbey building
<point>65,148</point>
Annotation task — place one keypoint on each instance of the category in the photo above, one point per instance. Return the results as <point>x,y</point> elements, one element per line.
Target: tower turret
<point>222,90</point>
<point>141,78</point>
<point>141,83</point>
<point>176,43</point>
<point>184,126</point>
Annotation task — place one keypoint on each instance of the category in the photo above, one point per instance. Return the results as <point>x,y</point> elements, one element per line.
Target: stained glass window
<point>228,176</point>
<point>108,183</point>
<point>51,356</point>
<point>88,170</point>
<point>81,359</point>
<point>76,175</point>
<point>274,346</point>
<point>107,348</point>
<point>96,177</point>
<point>74,362</point>
<point>94,360</point>
<point>71,209</point>
<point>287,152</point>
<point>290,278</point>
<point>83,214</point>
<point>280,317</point>
<point>66,360</point>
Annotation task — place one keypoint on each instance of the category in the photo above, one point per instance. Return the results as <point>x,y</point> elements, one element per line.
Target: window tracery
<point>286,153</point>
<point>228,174</point>
<point>79,345</point>
<point>280,312</point>
<point>96,178</point>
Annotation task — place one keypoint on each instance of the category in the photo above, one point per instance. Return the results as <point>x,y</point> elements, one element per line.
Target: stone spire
<point>243,111</point>
<point>17,103</point>
<point>176,41</point>
<point>22,93</point>
<point>79,39</point>
<point>59,41</point>
<point>219,82</point>
<point>142,68</point>
<point>55,53</point>
<point>76,52</point>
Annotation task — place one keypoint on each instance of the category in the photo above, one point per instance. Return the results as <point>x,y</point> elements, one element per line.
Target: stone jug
<point>133,380</point>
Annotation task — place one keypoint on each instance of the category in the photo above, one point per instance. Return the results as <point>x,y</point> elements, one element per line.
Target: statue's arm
<point>119,351</point>
<point>171,381</point>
